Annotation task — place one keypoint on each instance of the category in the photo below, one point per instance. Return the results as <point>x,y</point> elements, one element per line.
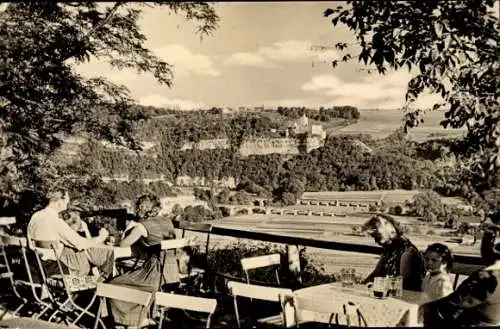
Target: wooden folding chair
<point>349,310</point>
<point>13,248</point>
<point>186,303</point>
<point>251,263</point>
<point>106,290</point>
<point>64,287</point>
<point>271,294</point>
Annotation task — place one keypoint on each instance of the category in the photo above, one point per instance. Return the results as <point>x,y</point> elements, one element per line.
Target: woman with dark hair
<point>146,235</point>
<point>476,301</point>
<point>72,217</point>
<point>399,256</point>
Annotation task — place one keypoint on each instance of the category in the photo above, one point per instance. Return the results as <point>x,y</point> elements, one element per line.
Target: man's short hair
<point>373,221</point>
<point>56,194</point>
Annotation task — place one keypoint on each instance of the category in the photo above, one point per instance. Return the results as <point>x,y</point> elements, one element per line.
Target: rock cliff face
<point>186,180</point>
<point>208,144</point>
<point>260,146</point>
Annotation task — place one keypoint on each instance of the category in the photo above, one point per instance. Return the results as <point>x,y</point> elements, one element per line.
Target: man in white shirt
<point>77,253</point>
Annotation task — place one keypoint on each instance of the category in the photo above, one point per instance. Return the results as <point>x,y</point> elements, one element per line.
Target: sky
<point>260,55</point>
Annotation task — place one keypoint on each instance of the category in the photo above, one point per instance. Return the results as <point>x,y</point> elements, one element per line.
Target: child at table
<point>438,262</point>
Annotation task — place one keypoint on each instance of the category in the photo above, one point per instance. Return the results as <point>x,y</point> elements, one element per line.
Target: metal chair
<point>17,255</point>
<point>271,294</point>
<point>186,288</point>
<point>251,263</point>
<point>186,303</point>
<point>6,273</point>
<point>106,290</point>
<point>174,244</point>
<point>64,287</point>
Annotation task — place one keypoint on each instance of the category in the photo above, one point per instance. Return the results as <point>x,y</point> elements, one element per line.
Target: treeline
<point>343,165</point>
<point>97,194</point>
<point>173,131</point>
<point>323,114</point>
<point>174,128</point>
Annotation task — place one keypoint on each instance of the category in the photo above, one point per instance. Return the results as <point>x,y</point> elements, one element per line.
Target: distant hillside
<point>266,152</point>
<point>381,123</point>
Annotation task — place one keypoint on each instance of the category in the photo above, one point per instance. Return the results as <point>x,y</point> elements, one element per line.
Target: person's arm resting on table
<point>85,230</point>
<point>71,238</point>
<point>376,272</point>
<point>135,234</point>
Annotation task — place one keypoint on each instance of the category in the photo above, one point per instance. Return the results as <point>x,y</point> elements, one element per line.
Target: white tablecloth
<point>377,312</point>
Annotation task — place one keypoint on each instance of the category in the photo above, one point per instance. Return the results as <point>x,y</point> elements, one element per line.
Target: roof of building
<point>385,195</point>
<point>347,195</point>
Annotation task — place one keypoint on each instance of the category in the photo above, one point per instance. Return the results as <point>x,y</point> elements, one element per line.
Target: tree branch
<point>106,19</point>
<point>97,27</point>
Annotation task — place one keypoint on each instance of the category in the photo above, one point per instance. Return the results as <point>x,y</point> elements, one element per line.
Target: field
<point>380,123</point>
<point>330,228</point>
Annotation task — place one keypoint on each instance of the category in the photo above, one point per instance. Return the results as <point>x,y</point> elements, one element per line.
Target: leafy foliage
<point>227,260</point>
<point>323,114</point>
<point>427,205</point>
<point>197,214</point>
<point>340,165</point>
<point>453,46</point>
<point>43,99</point>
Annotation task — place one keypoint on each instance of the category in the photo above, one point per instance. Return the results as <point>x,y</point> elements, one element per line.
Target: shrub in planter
<point>227,261</point>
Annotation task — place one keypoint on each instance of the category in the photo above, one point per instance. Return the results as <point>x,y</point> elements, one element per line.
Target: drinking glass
<point>111,240</point>
<point>380,287</point>
<point>348,276</point>
<point>397,286</point>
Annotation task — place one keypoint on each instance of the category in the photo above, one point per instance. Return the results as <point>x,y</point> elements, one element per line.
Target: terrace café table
<point>118,252</point>
<point>393,311</point>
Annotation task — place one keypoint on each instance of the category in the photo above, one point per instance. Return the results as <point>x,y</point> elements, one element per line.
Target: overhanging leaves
<point>455,46</point>
<point>43,99</point>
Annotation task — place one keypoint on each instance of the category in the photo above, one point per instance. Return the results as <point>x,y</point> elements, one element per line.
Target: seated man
<point>75,252</point>
<point>399,255</point>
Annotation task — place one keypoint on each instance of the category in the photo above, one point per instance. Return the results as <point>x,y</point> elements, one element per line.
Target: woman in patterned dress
<point>147,234</point>
<point>399,256</point>
<point>476,302</point>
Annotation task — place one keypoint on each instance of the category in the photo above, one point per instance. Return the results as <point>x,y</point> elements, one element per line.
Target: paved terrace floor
<point>27,323</point>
